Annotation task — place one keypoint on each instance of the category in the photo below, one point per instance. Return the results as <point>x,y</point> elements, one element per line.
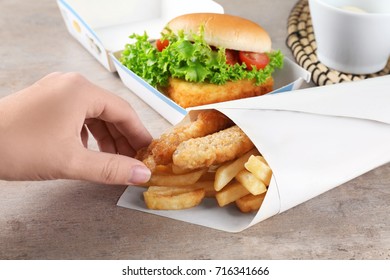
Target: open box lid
<point>103,27</point>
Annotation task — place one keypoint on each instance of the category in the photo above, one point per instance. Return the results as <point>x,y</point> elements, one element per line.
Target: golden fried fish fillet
<point>160,150</point>
<point>188,94</point>
<point>215,148</point>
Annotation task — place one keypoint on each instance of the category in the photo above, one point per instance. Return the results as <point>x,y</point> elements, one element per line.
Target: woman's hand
<point>43,133</point>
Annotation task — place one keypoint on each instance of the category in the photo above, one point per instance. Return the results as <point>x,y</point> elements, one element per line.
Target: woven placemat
<point>303,45</point>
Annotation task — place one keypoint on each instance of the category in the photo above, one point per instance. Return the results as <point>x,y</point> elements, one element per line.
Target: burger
<point>204,58</point>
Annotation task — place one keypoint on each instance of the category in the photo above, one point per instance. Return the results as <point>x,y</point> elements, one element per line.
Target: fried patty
<point>188,94</point>
<point>160,150</point>
<point>216,148</point>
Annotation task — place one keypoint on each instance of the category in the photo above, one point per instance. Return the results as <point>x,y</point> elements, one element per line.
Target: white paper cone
<point>313,139</point>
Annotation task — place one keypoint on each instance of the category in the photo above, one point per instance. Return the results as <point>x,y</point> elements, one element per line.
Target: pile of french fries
<point>243,181</point>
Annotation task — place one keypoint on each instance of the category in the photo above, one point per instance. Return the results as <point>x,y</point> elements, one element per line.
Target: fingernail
<point>139,174</point>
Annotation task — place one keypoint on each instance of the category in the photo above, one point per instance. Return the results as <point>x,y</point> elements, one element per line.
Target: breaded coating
<point>160,151</point>
<point>188,94</point>
<point>212,149</point>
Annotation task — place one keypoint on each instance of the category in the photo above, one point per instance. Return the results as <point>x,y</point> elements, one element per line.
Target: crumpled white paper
<point>314,139</point>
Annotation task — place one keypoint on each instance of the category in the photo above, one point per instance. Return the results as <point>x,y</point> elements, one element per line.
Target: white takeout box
<point>313,139</point>
<point>103,28</point>
<point>289,78</point>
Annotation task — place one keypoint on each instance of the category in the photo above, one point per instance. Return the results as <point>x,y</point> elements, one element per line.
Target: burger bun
<point>223,30</point>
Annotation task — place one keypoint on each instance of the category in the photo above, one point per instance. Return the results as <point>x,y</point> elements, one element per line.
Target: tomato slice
<point>253,59</point>
<point>231,57</point>
<point>161,44</point>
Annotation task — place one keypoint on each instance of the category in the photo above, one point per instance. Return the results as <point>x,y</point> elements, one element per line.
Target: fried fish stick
<point>160,150</point>
<point>212,149</point>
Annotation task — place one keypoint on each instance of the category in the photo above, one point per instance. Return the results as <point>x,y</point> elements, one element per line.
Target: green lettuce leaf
<point>194,61</point>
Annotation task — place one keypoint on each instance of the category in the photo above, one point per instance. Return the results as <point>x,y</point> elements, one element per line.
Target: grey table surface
<point>80,220</point>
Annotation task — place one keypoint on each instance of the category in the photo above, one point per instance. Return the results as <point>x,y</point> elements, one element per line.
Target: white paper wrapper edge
<point>310,151</point>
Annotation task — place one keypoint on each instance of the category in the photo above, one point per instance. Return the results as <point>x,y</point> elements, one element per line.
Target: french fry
<point>226,172</point>
<point>250,182</point>
<point>163,201</point>
<point>257,166</point>
<point>208,186</point>
<point>175,179</point>
<point>172,190</point>
<point>250,202</point>
<point>233,191</point>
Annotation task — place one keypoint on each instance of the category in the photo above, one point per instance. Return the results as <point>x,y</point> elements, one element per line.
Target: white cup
<point>352,36</point>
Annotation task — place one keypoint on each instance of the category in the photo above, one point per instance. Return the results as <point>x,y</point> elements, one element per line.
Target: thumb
<point>108,168</point>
